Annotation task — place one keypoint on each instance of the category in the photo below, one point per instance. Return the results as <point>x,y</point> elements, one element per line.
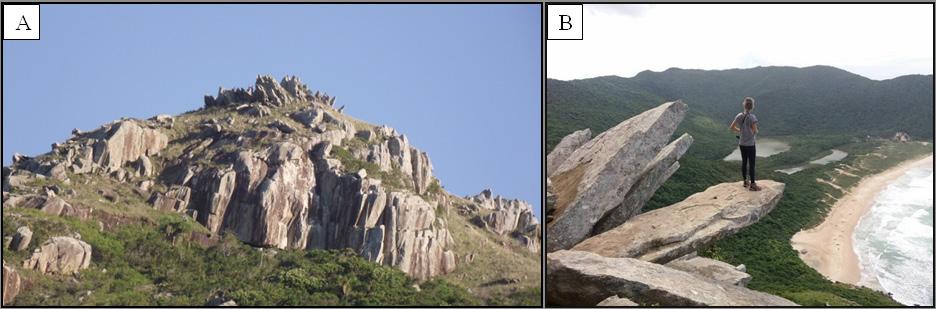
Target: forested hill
<point>795,101</point>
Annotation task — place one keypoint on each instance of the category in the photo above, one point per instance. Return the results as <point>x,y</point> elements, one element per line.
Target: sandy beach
<point>828,247</point>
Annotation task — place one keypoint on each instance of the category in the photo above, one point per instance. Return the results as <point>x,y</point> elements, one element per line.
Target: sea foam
<point>894,240</point>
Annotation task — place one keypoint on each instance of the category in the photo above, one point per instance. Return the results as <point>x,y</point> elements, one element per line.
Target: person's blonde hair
<point>748,104</point>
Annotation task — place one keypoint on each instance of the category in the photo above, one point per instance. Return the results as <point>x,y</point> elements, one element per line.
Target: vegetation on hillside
<point>158,264</point>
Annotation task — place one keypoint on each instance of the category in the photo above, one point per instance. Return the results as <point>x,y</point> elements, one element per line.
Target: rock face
<point>11,284</point>
<point>664,234</point>
<point>60,255</point>
<point>21,238</point>
<point>584,279</point>
<point>596,177</point>
<point>652,178</point>
<point>283,198</point>
<point>710,269</point>
<point>565,148</point>
<point>269,202</point>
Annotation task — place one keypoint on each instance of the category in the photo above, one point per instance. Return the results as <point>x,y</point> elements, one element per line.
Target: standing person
<point>745,124</point>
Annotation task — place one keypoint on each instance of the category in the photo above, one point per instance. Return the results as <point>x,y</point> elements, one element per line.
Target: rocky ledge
<point>578,278</point>
<point>664,234</point>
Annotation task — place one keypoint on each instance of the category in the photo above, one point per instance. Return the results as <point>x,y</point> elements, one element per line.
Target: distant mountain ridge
<point>810,100</point>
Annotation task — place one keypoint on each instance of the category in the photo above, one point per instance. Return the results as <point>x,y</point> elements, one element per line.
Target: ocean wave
<point>894,240</point>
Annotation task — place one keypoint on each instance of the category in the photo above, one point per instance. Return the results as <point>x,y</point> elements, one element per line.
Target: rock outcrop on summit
<point>596,177</point>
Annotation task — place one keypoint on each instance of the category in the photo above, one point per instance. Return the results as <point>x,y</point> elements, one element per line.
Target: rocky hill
<point>277,167</point>
<point>602,249</point>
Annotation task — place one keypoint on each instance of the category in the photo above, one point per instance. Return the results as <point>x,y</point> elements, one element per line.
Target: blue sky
<point>461,81</point>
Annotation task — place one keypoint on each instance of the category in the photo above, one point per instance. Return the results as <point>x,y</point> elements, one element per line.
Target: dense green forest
<point>786,97</point>
<point>818,100</point>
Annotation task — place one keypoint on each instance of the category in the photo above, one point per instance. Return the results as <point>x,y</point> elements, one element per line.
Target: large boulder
<point>11,283</point>
<point>584,279</point>
<point>126,141</point>
<point>596,177</point>
<point>667,233</point>
<point>652,178</point>
<point>21,238</point>
<point>60,255</point>
<point>566,146</point>
<point>710,269</point>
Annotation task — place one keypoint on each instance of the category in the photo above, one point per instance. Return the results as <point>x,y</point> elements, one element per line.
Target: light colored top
<point>745,121</point>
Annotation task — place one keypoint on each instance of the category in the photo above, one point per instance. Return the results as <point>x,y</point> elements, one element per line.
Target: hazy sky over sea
<point>878,41</point>
<point>461,81</point>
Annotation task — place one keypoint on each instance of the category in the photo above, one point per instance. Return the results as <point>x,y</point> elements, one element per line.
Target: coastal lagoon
<point>765,147</point>
<point>836,155</point>
<point>894,240</point>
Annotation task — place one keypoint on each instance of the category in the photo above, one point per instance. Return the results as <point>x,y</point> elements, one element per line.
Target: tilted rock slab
<point>651,179</point>
<point>710,269</point>
<point>11,283</point>
<point>60,255</point>
<point>664,234</point>
<point>566,146</point>
<point>577,278</point>
<point>597,176</point>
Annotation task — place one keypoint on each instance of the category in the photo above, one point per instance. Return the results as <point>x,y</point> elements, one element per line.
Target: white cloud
<point>879,41</point>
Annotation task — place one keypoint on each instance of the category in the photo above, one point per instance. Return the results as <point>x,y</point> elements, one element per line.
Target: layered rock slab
<point>664,234</point>
<point>578,278</point>
<point>652,178</point>
<point>597,176</point>
<point>566,147</point>
<point>711,269</point>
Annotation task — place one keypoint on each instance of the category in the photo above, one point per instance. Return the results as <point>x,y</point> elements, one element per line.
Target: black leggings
<point>747,161</point>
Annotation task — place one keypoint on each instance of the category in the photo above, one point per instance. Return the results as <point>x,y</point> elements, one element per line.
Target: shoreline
<point>828,247</point>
